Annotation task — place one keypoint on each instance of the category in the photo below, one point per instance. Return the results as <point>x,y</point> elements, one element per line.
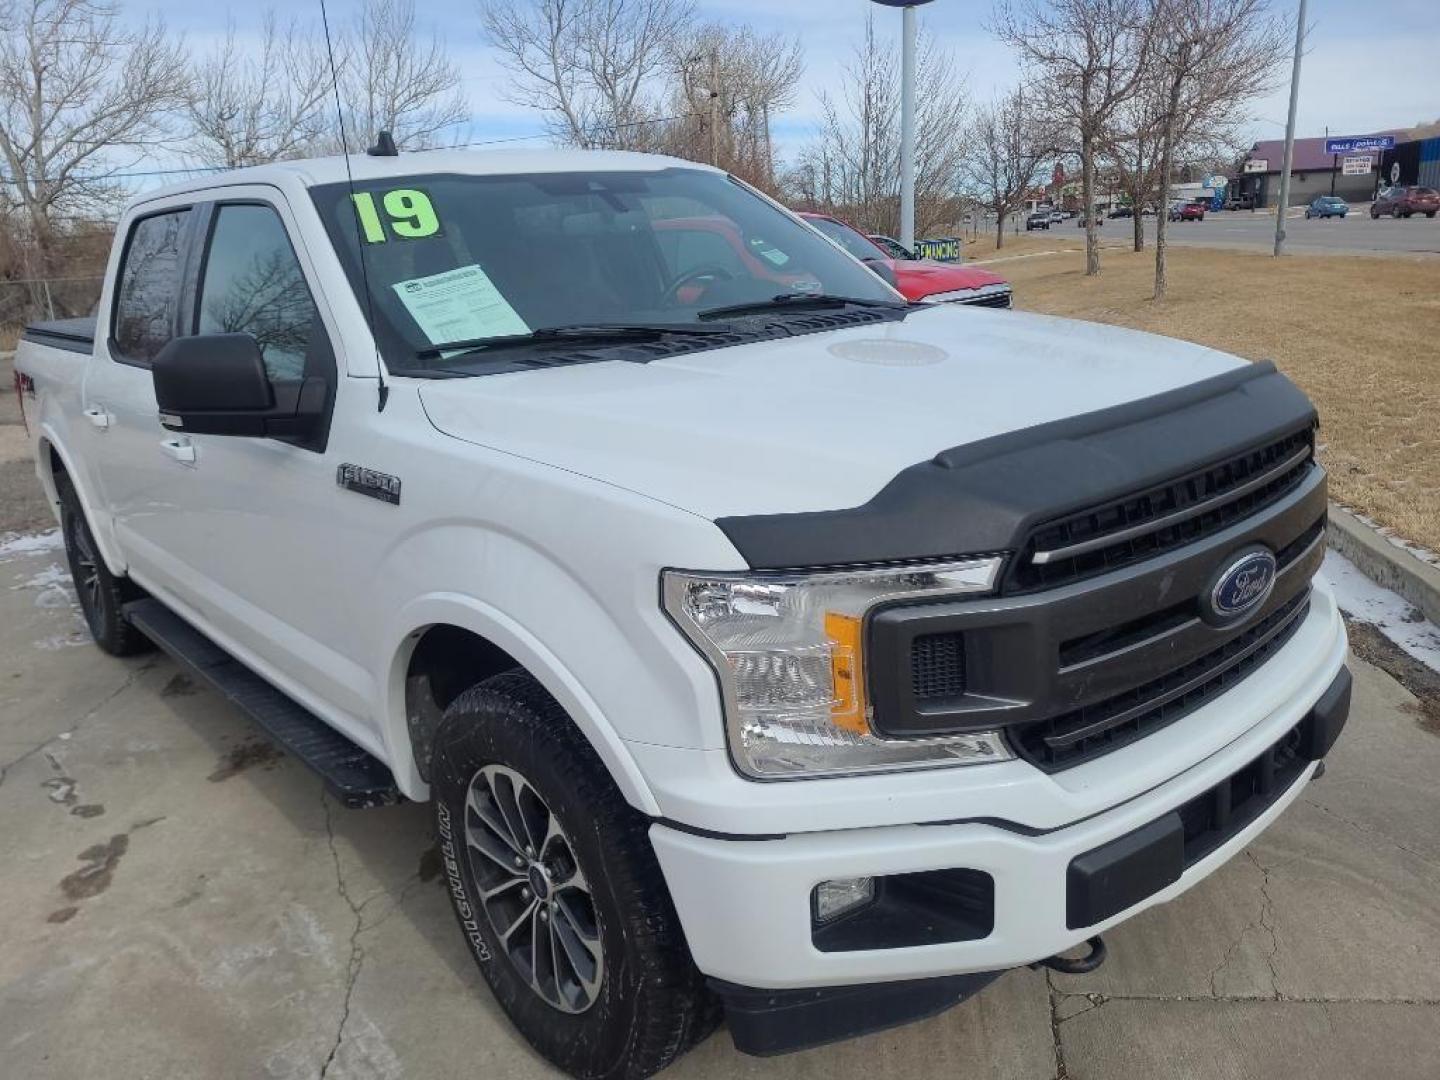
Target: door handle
<point>97,416</point>
<point>181,449</point>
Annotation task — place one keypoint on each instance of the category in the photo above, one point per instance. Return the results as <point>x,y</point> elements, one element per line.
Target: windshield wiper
<point>580,332</point>
<point>798,301</point>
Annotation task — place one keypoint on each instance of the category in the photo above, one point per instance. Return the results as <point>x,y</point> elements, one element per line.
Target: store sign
<point>1257,165</point>
<point>1368,142</point>
<point>1357,166</point>
<point>945,249</point>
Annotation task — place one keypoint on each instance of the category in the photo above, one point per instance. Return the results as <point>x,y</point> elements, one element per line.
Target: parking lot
<point>184,900</point>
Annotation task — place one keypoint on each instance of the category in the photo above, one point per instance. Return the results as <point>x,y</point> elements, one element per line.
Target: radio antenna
<point>359,236</point>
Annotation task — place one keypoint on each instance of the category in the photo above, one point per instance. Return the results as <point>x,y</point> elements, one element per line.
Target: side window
<point>149,293</point>
<point>253,284</point>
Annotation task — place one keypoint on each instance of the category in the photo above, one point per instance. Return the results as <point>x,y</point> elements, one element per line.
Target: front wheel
<point>557,888</point>
<point>102,595</point>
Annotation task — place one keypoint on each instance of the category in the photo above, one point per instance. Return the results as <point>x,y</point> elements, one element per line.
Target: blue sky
<point>1361,72</point>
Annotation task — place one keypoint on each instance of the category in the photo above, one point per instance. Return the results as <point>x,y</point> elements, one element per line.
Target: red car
<point>1405,201</point>
<point>1190,211</point>
<point>918,279</point>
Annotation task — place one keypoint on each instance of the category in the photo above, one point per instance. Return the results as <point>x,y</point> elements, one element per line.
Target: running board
<point>355,777</point>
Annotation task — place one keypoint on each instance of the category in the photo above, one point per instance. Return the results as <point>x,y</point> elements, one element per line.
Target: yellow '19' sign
<point>408,212</point>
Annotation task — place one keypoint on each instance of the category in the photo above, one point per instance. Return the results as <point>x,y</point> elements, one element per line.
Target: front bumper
<point>745,903</point>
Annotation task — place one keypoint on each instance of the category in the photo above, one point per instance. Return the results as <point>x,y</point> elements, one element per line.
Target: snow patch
<point>14,545</point>
<point>1395,617</point>
<point>52,587</point>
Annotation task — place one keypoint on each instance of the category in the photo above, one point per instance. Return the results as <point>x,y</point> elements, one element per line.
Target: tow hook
<point>1078,965</point>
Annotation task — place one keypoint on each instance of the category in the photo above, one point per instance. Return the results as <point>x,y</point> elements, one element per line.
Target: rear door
<point>131,453</point>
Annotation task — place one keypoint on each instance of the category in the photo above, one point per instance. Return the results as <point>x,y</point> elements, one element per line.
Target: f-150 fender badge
<point>363,481</point>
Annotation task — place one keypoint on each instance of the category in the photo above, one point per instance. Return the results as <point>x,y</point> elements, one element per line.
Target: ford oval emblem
<point>1241,586</point>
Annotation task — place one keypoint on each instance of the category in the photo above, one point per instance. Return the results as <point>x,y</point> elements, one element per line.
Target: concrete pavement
<point>183,900</point>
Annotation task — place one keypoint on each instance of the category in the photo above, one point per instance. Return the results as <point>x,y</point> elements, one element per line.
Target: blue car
<point>1323,206</point>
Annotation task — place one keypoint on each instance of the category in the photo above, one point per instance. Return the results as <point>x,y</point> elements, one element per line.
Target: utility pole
<point>907,116</point>
<point>1290,134</point>
<point>907,128</point>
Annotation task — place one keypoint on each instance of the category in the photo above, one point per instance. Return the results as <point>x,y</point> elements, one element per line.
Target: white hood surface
<point>816,422</point>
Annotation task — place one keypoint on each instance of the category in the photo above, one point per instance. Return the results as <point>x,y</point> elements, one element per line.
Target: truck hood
<point>924,277</point>
<point>816,422</point>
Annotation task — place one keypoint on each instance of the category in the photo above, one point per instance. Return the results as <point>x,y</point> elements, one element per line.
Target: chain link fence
<point>27,300</point>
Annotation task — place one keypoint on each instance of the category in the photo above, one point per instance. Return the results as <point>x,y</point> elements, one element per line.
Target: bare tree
<point>1088,56</point>
<point>1210,57</point>
<point>1008,141</point>
<point>76,87</point>
<point>393,80</point>
<point>854,164</point>
<point>728,81</point>
<point>592,67</point>
<point>247,107</point>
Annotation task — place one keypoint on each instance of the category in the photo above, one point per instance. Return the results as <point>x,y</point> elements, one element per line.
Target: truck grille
<point>1107,656</point>
<point>1164,517</point>
<point>1089,732</point>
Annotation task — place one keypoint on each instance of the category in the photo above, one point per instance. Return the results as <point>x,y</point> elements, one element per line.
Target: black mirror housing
<point>216,384</point>
<point>883,271</point>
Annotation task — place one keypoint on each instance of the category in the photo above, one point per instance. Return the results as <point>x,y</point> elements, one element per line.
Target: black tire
<point>102,595</point>
<point>650,1004</point>
<point>1430,213</point>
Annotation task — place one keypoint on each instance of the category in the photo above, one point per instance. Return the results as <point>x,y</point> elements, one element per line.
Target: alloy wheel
<point>87,574</point>
<point>534,894</point>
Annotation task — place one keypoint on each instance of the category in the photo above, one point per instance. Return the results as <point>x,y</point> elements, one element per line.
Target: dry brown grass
<point>1361,336</point>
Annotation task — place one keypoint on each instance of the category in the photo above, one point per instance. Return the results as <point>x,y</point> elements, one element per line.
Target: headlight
<point>788,651</point>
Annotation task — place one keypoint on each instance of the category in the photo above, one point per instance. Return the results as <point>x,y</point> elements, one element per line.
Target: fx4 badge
<point>363,481</point>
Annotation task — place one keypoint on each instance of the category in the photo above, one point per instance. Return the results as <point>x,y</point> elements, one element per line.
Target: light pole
<point>907,116</point>
<point>1290,134</point>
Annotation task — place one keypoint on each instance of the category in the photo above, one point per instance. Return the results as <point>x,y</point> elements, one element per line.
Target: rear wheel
<point>102,595</point>
<point>558,890</point>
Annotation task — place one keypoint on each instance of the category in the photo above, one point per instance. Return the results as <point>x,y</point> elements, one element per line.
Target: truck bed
<point>72,335</point>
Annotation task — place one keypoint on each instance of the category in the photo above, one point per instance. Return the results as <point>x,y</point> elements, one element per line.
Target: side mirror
<point>216,384</point>
<point>883,271</point>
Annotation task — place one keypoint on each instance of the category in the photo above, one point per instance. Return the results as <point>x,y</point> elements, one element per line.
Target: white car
<point>765,644</point>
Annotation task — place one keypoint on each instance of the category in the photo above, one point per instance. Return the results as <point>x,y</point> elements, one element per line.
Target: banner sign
<point>1366,142</point>
<point>1257,165</point>
<point>943,249</point>
<point>1356,166</point>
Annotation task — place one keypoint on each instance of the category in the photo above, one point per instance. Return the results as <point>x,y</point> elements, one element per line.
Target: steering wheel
<point>699,273</point>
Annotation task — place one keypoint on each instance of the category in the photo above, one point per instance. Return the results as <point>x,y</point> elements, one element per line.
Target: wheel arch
<point>53,462</point>
<point>450,642</point>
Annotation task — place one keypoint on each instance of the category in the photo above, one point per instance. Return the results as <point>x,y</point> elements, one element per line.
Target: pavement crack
<point>1061,1072</point>
<point>357,952</point>
<point>1366,830</point>
<point>1267,924</point>
<point>43,747</point>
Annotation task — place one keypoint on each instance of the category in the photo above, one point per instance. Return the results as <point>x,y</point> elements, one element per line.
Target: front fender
<point>492,624</point>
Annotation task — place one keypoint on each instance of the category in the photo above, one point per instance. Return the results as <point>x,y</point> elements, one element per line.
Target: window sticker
<point>768,251</point>
<point>409,212</point>
<point>459,305</point>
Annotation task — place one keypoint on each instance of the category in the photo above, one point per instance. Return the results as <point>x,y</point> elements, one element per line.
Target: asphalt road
<point>1355,234</point>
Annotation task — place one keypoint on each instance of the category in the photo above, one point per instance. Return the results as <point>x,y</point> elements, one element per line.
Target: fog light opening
<point>832,899</point>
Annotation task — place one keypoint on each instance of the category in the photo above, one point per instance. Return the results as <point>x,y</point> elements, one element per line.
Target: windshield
<point>464,258</point>
<point>856,243</point>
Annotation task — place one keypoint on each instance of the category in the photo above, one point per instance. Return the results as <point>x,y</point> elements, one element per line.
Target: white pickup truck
<point>768,647</point>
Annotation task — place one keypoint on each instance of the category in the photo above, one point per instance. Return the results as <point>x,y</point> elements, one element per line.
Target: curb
<point>1384,562</point>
